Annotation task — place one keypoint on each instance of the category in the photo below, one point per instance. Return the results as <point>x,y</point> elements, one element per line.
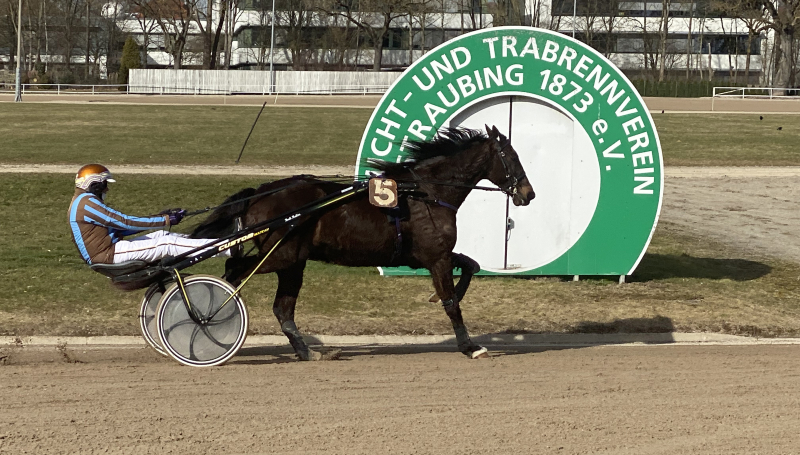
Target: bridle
<point>510,186</point>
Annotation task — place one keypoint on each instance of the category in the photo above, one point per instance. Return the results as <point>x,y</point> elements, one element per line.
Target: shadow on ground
<point>629,326</point>
<point>663,266</point>
<point>657,330</point>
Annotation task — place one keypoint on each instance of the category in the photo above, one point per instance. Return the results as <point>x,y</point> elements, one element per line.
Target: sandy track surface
<point>731,105</point>
<point>760,215</point>
<point>621,400</point>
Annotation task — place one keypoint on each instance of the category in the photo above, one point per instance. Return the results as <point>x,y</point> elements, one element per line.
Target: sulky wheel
<point>213,333</point>
<point>147,317</point>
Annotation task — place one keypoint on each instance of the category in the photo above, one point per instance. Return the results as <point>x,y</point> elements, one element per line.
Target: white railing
<point>263,90</point>
<point>66,89</point>
<point>755,92</point>
<point>196,82</point>
<point>84,89</point>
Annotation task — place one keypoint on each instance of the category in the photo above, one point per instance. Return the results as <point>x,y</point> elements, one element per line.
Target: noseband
<point>510,187</point>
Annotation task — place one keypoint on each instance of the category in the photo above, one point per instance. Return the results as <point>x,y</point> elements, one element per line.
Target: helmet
<point>92,173</point>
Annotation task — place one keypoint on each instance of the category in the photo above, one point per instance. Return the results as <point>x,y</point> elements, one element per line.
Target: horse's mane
<point>446,142</point>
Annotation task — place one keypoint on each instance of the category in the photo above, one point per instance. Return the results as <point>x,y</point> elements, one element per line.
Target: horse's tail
<point>221,221</point>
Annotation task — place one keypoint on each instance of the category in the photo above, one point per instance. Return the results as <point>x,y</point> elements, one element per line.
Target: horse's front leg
<point>442,274</point>
<point>290,280</point>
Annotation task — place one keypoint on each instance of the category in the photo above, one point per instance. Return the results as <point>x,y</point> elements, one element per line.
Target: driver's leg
<point>151,248</point>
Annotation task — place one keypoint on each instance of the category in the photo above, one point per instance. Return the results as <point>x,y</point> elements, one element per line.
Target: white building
<point>628,33</point>
<point>632,37</point>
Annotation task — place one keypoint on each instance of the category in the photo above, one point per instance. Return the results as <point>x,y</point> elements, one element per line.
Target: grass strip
<point>213,135</point>
<point>684,283</point>
<point>198,135</point>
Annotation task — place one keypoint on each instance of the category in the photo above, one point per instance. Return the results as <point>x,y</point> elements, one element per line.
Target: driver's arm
<point>103,215</point>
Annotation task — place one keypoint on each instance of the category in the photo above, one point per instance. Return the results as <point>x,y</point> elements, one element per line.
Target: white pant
<point>155,245</point>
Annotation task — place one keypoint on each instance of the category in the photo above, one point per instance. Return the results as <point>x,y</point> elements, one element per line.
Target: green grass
<point>684,283</point>
<point>729,139</point>
<point>201,135</point>
<point>213,135</point>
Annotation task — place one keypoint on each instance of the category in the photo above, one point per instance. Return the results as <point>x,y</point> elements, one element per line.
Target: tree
<point>782,17</point>
<point>541,14</point>
<point>373,18</point>
<point>130,60</point>
<point>300,39</point>
<point>174,18</point>
<point>210,33</point>
<point>507,12</point>
<point>66,23</point>
<point>662,48</point>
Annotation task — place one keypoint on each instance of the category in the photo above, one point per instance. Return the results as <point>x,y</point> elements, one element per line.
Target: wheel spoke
<point>204,343</point>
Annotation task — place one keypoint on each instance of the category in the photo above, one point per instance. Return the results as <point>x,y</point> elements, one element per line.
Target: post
<point>17,89</point>
<point>574,16</point>
<point>271,47</point>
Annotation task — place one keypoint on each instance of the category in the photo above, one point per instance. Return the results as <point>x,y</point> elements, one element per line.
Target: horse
<point>419,233</point>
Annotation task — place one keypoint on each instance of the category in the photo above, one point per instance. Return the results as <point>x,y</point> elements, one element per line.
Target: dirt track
<point>624,400</point>
<point>790,105</point>
<point>620,400</point>
<point>751,209</point>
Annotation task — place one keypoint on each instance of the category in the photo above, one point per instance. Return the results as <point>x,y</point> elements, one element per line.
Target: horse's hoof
<point>313,356</point>
<point>480,353</point>
<point>433,298</point>
<point>309,355</point>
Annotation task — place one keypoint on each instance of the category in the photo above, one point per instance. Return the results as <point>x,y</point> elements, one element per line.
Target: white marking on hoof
<point>481,353</point>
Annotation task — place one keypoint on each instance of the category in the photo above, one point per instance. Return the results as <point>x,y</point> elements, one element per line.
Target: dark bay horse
<point>420,233</point>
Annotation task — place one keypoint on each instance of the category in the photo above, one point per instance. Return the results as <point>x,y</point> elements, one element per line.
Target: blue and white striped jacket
<point>96,227</point>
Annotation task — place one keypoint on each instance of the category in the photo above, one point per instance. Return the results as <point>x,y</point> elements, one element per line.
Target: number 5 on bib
<point>383,192</point>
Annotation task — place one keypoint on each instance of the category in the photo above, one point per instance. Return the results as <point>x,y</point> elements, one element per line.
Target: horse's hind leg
<point>290,280</point>
<point>468,268</point>
<point>442,273</point>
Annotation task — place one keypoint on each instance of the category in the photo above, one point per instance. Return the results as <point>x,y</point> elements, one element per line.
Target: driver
<point>98,230</point>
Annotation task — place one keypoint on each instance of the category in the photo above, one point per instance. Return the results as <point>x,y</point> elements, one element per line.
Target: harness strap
<point>398,244</point>
<point>445,204</point>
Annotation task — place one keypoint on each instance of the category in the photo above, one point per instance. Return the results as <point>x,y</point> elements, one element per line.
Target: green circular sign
<point>583,133</point>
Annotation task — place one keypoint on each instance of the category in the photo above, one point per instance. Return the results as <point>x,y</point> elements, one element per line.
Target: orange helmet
<point>92,173</point>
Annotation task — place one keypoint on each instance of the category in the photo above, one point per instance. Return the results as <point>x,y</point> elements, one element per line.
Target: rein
<point>267,193</point>
<point>510,188</point>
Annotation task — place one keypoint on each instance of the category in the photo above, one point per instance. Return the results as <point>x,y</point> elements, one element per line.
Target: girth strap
<point>394,214</point>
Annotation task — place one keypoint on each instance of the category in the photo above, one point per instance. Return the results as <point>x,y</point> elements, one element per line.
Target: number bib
<point>383,192</point>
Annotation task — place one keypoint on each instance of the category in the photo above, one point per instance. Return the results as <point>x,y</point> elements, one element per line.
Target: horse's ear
<point>492,132</point>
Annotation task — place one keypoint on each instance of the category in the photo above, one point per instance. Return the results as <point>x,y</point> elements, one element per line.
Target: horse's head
<point>505,169</point>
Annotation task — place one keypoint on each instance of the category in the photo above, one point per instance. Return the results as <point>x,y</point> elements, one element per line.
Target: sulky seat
<point>123,268</point>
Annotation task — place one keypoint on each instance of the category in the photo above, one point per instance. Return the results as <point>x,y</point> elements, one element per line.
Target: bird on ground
<point>761,117</point>
<point>780,128</point>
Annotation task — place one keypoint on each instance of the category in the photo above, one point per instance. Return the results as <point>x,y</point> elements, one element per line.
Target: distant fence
<point>210,82</point>
<point>66,89</point>
<point>675,88</point>
<point>755,92</point>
